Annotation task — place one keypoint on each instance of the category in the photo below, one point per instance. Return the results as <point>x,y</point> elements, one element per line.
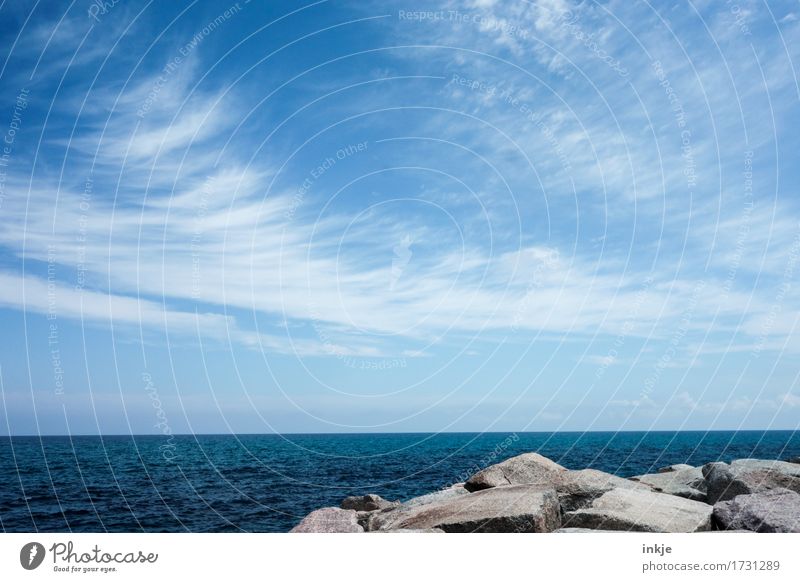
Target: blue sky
<point>382,216</point>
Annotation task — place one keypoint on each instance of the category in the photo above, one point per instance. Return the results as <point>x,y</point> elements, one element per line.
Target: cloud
<point>180,209</point>
<point>43,296</point>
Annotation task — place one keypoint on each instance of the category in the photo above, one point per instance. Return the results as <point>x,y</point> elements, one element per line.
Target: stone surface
<point>329,520</point>
<point>444,494</point>
<point>362,517</point>
<point>678,467</point>
<point>584,530</point>
<point>530,493</point>
<point>688,482</point>
<point>515,509</point>
<point>431,530</point>
<point>777,510</point>
<point>578,489</point>
<point>529,468</point>
<point>457,490</point>
<point>745,476</point>
<point>637,510</point>
<point>368,502</point>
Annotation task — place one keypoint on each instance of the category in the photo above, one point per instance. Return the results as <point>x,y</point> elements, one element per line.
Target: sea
<point>267,483</point>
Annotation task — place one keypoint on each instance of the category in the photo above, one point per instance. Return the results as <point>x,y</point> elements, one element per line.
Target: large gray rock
<point>368,502</point>
<point>575,489</point>
<point>688,483</point>
<point>777,510</point>
<point>745,476</point>
<point>636,510</point>
<point>516,509</point>
<point>432,530</point>
<point>442,495</point>
<point>584,530</point>
<point>578,489</point>
<point>329,520</point>
<point>525,469</point>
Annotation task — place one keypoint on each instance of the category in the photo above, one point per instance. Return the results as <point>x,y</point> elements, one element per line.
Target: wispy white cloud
<point>180,215</point>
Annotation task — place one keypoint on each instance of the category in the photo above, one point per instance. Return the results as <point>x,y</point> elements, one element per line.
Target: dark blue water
<point>267,482</point>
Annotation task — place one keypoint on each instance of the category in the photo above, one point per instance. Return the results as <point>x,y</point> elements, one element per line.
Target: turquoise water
<point>267,483</point>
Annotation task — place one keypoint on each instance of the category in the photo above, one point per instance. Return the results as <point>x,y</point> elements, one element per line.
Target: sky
<point>483,215</point>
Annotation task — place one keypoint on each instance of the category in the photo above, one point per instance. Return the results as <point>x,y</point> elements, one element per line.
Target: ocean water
<point>266,483</point>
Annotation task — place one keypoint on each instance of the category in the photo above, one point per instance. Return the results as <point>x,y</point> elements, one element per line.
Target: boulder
<point>584,530</point>
<point>672,468</point>
<point>431,530</point>
<point>514,508</point>
<point>745,476</point>
<point>688,483</point>
<point>575,489</point>
<point>368,502</point>
<point>637,510</point>
<point>776,510</point>
<point>525,469</point>
<point>329,520</point>
<point>366,521</point>
<point>578,489</point>
<point>362,517</point>
<point>442,495</point>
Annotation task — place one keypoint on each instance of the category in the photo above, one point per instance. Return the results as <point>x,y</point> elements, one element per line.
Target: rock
<point>584,530</point>
<point>515,508</point>
<point>431,530</point>
<point>365,519</point>
<point>745,476</point>
<point>637,510</point>
<point>673,468</point>
<point>440,495</point>
<point>795,460</point>
<point>329,520</point>
<point>577,489</point>
<point>688,483</point>
<point>777,510</point>
<point>762,464</point>
<point>368,502</point>
<point>528,468</point>
<point>362,517</point>
<point>443,495</point>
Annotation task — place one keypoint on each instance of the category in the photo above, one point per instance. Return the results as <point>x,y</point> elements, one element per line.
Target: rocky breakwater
<point>532,494</point>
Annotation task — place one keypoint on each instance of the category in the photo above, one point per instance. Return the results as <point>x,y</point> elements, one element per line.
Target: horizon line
<point>277,434</point>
